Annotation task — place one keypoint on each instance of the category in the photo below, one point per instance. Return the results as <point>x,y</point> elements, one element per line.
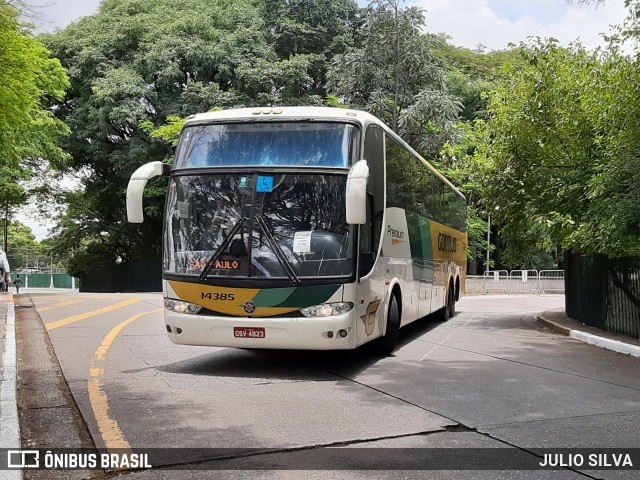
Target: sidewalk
<point>9,424</point>
<point>25,290</point>
<point>558,321</point>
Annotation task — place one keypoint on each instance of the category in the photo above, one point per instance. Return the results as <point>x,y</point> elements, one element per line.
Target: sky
<point>469,23</point>
<point>492,23</point>
<point>496,23</point>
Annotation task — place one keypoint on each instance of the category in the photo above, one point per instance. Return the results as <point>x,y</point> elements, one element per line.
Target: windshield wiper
<point>221,248</point>
<point>286,265</point>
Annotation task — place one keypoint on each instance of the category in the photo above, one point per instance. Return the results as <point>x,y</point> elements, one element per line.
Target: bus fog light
<point>327,309</point>
<point>179,306</point>
<point>343,333</point>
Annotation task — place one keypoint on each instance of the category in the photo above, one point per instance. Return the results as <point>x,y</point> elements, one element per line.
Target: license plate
<point>248,332</point>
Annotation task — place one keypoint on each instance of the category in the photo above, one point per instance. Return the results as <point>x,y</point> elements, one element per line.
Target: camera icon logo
<point>23,459</point>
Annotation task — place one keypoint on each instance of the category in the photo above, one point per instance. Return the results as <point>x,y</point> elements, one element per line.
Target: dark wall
<point>140,275</point>
<point>604,292</point>
<point>586,288</point>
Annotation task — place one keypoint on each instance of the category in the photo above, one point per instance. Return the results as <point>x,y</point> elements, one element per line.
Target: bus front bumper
<point>307,333</point>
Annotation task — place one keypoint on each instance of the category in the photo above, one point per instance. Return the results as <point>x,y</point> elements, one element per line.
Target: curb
<point>607,343</point>
<point>9,424</point>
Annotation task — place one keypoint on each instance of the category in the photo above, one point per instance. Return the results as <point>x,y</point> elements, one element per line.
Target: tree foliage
<point>471,75</point>
<point>468,74</point>
<point>459,164</point>
<point>137,63</point>
<point>28,131</point>
<point>393,74</point>
<point>23,245</point>
<point>561,150</point>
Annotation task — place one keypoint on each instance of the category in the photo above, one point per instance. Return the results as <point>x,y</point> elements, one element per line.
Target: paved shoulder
<point>558,321</point>
<point>9,425</point>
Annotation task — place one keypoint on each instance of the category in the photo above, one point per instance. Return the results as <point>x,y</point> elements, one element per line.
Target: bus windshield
<point>277,225</point>
<point>271,143</point>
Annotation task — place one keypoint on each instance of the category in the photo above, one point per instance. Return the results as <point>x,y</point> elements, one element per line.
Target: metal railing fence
<point>516,282</point>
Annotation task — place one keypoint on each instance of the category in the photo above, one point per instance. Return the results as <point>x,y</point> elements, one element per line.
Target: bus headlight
<point>179,306</point>
<point>327,309</point>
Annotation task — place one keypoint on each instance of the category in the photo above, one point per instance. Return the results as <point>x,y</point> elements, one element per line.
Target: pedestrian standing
<point>5,272</point>
<point>18,283</point>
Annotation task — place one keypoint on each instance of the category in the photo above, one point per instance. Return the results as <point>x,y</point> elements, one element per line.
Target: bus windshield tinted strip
<point>295,144</point>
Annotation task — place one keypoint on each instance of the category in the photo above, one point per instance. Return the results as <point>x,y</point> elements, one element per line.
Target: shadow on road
<point>292,364</point>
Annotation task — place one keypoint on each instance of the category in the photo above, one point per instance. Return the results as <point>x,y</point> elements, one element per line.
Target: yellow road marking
<point>58,305</point>
<point>93,313</point>
<point>112,436</point>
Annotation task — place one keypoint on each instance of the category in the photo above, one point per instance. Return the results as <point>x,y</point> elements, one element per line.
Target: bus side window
<point>371,231</point>
<point>367,240</point>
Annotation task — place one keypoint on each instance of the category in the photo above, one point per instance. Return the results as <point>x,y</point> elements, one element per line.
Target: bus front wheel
<point>388,341</point>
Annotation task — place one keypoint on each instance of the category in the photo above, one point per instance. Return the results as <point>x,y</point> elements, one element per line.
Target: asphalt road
<point>491,377</point>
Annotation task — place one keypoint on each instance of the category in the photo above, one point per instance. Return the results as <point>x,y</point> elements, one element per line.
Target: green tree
<point>22,245</point>
<point>470,75</point>
<point>561,151</point>
<point>393,74</point>
<point>28,131</point>
<point>137,63</point>
<point>459,164</point>
<point>312,31</point>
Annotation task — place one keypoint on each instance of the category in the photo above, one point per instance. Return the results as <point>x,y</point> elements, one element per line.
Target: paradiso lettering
<point>447,243</point>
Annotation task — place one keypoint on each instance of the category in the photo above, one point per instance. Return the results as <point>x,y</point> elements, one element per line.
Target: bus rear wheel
<point>386,344</point>
<point>449,310</point>
<point>452,302</point>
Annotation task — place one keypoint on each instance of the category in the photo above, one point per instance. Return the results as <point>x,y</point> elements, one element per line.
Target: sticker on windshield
<point>302,242</point>
<point>265,184</point>
<point>244,182</point>
<point>183,209</point>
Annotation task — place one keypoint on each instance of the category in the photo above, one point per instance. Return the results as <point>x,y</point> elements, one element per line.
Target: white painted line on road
<point>607,343</point>
<point>442,342</point>
<point>9,423</point>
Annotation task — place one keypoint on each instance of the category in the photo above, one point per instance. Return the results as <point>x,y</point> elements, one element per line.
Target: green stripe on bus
<point>419,236</point>
<point>303,296</point>
<point>272,297</point>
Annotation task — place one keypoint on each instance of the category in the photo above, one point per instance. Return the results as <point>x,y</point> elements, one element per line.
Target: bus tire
<point>445,312</point>
<point>386,344</point>
<point>452,302</point>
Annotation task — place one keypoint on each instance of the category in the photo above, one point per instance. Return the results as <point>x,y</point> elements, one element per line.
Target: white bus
<point>303,228</point>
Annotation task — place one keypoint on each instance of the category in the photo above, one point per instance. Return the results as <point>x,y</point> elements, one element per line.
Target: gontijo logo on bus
<point>397,236</point>
<point>447,243</point>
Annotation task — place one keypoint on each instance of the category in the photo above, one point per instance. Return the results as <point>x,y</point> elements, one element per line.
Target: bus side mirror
<point>135,189</point>
<point>356,199</point>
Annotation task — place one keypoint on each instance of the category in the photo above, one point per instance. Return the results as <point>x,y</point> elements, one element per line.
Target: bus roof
<point>284,113</point>
<point>308,113</point>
